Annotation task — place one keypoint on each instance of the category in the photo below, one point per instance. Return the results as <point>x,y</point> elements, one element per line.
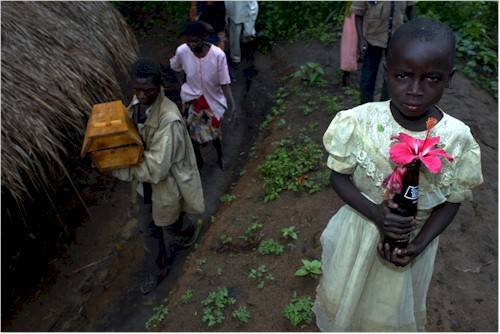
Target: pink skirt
<point>349,45</point>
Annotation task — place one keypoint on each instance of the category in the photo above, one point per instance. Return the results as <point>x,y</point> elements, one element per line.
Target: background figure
<point>206,91</point>
<point>348,46</point>
<point>213,13</point>
<point>241,16</point>
<point>375,23</point>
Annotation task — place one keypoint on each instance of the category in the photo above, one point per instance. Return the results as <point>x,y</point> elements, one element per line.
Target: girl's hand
<point>399,257</point>
<point>393,225</point>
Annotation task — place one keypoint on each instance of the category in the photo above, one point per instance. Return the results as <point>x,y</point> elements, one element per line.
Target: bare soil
<point>104,297</point>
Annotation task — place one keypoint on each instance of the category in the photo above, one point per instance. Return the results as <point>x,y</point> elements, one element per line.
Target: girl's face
<point>195,43</point>
<point>417,75</point>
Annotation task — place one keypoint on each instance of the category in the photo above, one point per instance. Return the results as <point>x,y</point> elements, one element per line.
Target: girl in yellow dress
<point>367,286</point>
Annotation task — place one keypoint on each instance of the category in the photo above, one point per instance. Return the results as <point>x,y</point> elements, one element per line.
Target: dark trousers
<point>158,241</point>
<point>369,70</point>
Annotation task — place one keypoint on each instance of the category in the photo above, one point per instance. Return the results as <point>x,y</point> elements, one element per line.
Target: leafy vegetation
<point>226,240</point>
<point>333,104</point>
<point>214,305</point>
<point>321,19</point>
<point>160,312</point>
<point>309,268</point>
<point>312,74</point>
<point>277,110</point>
<point>227,198</point>
<point>241,314</point>
<point>251,231</point>
<point>260,275</point>
<point>269,246</point>
<point>187,296</point>
<point>289,233</point>
<point>298,311</point>
<point>287,166</point>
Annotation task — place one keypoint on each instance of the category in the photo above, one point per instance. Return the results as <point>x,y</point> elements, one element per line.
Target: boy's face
<point>417,74</point>
<point>145,90</point>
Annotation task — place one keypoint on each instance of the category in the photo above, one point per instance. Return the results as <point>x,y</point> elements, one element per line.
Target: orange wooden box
<point>111,137</point>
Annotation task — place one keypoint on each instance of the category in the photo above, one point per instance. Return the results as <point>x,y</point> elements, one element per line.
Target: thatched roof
<point>57,61</point>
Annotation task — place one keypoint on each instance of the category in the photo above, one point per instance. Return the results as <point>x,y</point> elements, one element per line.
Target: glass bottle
<point>407,199</point>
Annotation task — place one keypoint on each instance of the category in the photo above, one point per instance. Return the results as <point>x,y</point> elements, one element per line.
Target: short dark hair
<point>198,29</point>
<point>424,30</point>
<point>147,67</point>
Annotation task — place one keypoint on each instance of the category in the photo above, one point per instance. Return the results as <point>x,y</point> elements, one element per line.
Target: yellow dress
<point>359,291</point>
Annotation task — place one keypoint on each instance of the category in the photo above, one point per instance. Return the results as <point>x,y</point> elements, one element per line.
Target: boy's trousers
<point>157,241</point>
<point>369,70</point>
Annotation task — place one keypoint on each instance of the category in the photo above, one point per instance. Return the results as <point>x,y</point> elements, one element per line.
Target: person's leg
<point>154,248</point>
<point>345,78</point>
<point>218,147</point>
<point>235,30</point>
<point>371,62</point>
<point>197,153</point>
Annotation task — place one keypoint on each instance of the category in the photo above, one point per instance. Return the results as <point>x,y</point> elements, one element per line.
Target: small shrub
<point>298,311</point>
<point>270,246</point>
<point>310,268</point>
<point>312,74</point>
<point>251,231</point>
<point>225,239</point>
<point>241,314</point>
<point>289,233</point>
<point>160,312</point>
<point>227,198</point>
<point>187,297</point>
<point>260,275</point>
<point>287,164</point>
<point>214,305</point>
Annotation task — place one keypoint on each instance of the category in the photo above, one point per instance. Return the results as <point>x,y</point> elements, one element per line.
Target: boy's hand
<point>398,257</point>
<point>393,225</point>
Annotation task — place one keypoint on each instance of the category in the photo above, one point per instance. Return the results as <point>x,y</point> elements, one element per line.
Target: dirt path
<point>104,297</point>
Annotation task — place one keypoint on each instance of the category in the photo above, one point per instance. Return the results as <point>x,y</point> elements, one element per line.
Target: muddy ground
<point>104,296</point>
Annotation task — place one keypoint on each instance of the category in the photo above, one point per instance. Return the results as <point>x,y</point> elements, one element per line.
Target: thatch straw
<point>58,59</point>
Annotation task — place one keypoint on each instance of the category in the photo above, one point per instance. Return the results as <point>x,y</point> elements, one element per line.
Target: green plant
<point>318,180</point>
<point>353,93</point>
<point>160,312</point>
<point>281,123</point>
<point>212,220</point>
<point>332,103</point>
<point>274,21</point>
<point>225,239</point>
<point>289,233</point>
<point>286,167</point>
<point>241,314</point>
<point>187,297</point>
<point>270,246</point>
<point>251,231</point>
<point>260,275</point>
<point>214,305</point>
<point>307,110</point>
<point>298,311</point>
<point>312,74</point>
<point>310,268</point>
<point>201,261</point>
<point>227,198</point>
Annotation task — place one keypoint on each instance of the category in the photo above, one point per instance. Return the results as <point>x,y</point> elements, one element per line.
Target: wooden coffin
<point>111,137</point>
